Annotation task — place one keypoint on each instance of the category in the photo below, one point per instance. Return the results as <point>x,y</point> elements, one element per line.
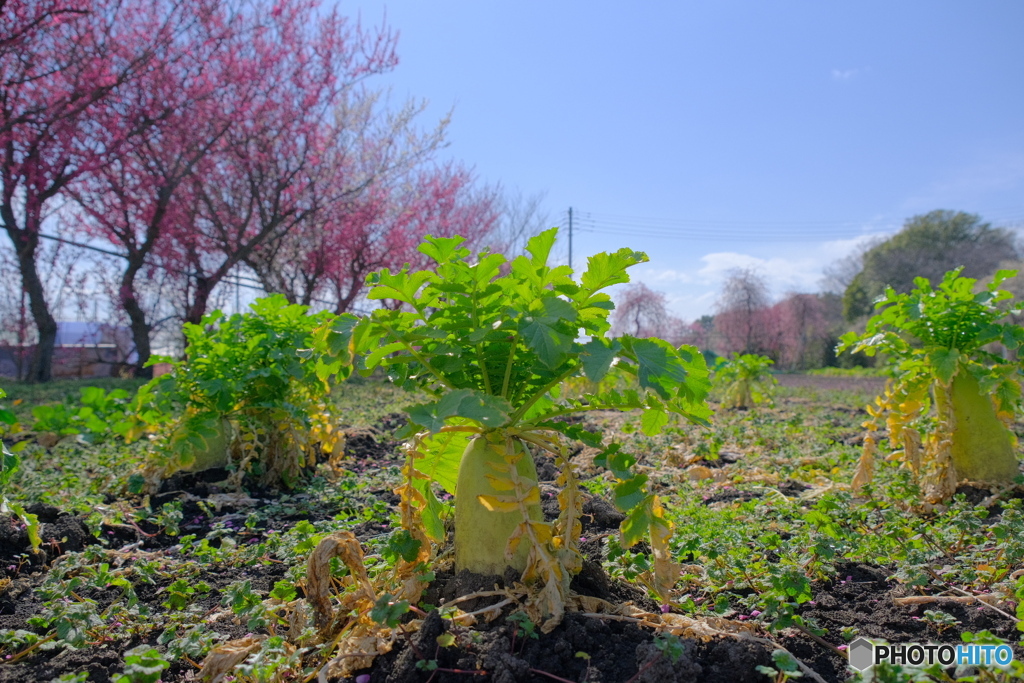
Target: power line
<point>747,231</point>
<point>236,280</point>
<point>1014,213</point>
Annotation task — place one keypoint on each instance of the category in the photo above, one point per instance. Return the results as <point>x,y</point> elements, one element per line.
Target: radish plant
<point>950,400</point>
<point>744,380</point>
<point>250,393</point>
<point>494,344</point>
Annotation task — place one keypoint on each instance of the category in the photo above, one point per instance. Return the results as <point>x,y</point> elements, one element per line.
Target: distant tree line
<point>927,246</point>
<point>801,330</point>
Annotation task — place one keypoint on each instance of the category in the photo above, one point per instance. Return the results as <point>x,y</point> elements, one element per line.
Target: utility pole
<point>570,238</point>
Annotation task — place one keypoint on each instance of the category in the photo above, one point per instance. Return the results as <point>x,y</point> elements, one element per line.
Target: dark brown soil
<point>60,533</point>
<point>107,660</point>
<point>581,649</point>
<point>787,488</point>
<point>859,596</point>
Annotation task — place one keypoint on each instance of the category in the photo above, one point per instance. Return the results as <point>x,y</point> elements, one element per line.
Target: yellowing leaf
<point>500,483</point>
<point>499,503</point>
<point>865,466</point>
<point>542,531</point>
<point>514,540</point>
<point>666,571</point>
<point>533,495</point>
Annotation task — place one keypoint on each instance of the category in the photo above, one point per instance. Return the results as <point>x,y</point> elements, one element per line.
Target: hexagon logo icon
<point>861,653</point>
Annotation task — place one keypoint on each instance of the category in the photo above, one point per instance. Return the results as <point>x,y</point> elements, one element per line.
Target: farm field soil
<point>773,548</point>
<point>870,385</point>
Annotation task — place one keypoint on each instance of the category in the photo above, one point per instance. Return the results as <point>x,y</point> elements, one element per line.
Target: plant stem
<point>514,341</point>
<point>483,369</point>
<point>518,415</point>
<point>820,641</point>
<point>419,357</point>
<point>29,649</point>
<point>480,360</point>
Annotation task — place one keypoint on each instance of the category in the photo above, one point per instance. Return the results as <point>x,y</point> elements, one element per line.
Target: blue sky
<point>721,134</point>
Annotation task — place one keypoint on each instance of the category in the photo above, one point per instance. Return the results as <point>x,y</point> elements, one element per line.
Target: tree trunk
<point>200,300</point>
<point>46,326</point>
<point>137,317</point>
<point>136,259</point>
<point>25,244</point>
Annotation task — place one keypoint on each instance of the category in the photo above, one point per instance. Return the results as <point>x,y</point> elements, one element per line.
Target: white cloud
<point>692,287</point>
<point>783,274</point>
<point>718,265</point>
<point>844,74</point>
<point>694,306</point>
<point>837,249</point>
<point>663,275</point>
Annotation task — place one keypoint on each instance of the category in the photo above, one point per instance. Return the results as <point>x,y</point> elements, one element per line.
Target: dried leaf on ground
<point>345,546</point>
<point>223,659</point>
